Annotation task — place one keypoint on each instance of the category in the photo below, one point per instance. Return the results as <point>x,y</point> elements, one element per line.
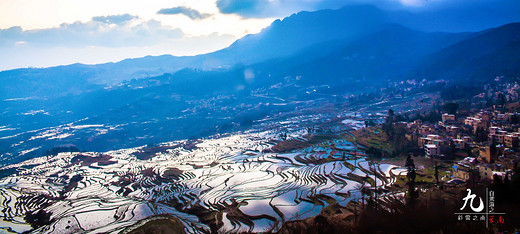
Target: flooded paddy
<point>234,183</point>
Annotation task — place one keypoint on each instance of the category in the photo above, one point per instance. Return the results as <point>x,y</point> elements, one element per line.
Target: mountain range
<point>311,34</point>
<point>330,52</point>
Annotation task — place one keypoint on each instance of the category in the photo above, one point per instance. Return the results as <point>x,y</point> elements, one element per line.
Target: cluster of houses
<point>488,141</point>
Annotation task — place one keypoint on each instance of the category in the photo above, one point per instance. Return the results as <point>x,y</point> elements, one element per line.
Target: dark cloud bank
<point>193,14</point>
<point>433,15</point>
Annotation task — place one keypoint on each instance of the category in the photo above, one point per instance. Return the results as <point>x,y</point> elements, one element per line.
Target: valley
<point>227,184</point>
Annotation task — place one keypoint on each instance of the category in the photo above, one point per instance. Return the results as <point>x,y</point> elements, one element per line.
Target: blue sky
<point>40,33</point>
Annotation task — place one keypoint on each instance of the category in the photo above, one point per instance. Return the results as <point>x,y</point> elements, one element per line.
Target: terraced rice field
<point>228,184</point>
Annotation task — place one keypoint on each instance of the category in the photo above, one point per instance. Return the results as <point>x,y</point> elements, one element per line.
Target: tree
<point>369,123</point>
<point>450,107</point>
<point>515,119</point>
<point>432,116</point>
<point>469,151</point>
<point>515,145</point>
<point>374,170</point>
<point>480,135</point>
<point>436,173</point>
<point>283,136</point>
<point>453,149</point>
<point>493,150</point>
<point>501,99</point>
<point>390,117</point>
<point>387,126</point>
<point>410,168</point>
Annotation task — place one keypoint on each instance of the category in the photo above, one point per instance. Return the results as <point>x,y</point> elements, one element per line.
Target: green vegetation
<point>371,138</point>
<point>294,144</point>
<point>379,143</point>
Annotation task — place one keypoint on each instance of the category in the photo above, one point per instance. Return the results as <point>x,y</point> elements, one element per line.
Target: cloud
<point>109,31</point>
<point>247,8</point>
<point>114,19</point>
<point>281,8</point>
<point>193,14</point>
<point>278,8</point>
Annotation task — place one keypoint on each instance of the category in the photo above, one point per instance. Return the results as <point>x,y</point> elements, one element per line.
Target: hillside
<point>493,52</point>
<point>190,102</point>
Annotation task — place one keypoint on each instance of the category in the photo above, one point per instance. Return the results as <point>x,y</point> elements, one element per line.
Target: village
<point>480,139</point>
<point>488,141</point>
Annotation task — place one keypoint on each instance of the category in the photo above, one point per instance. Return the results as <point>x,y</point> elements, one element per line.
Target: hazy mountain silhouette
<point>357,31</point>
<point>306,57</point>
<point>282,38</point>
<point>490,53</point>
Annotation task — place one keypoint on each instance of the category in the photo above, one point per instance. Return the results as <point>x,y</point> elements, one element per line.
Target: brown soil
<point>163,224</point>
